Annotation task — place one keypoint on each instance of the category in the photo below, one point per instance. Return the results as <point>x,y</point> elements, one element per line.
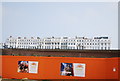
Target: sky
<point>0,22</point>
<point>46,19</point>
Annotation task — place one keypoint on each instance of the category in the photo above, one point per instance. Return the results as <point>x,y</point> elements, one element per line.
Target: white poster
<point>79,69</point>
<point>33,66</point>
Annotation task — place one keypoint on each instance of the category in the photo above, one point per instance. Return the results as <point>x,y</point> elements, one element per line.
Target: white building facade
<point>1,45</point>
<point>97,43</point>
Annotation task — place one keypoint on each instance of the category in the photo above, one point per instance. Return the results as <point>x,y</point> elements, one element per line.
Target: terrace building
<point>97,43</point>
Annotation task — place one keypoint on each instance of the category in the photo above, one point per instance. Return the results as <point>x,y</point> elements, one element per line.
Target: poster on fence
<point>27,66</point>
<point>33,67</point>
<point>79,69</point>
<point>67,69</point>
<point>73,69</point>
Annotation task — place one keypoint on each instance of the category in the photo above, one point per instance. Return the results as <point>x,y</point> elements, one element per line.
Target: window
<point>101,43</point>
<point>105,48</point>
<point>105,44</point>
<point>101,47</point>
<point>90,43</point>
<point>98,47</point>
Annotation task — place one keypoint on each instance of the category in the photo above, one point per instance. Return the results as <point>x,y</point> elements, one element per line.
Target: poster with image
<point>67,69</point>
<point>27,67</point>
<point>23,66</point>
<point>73,69</point>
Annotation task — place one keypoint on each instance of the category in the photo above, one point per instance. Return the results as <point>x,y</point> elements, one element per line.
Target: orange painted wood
<point>49,67</point>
